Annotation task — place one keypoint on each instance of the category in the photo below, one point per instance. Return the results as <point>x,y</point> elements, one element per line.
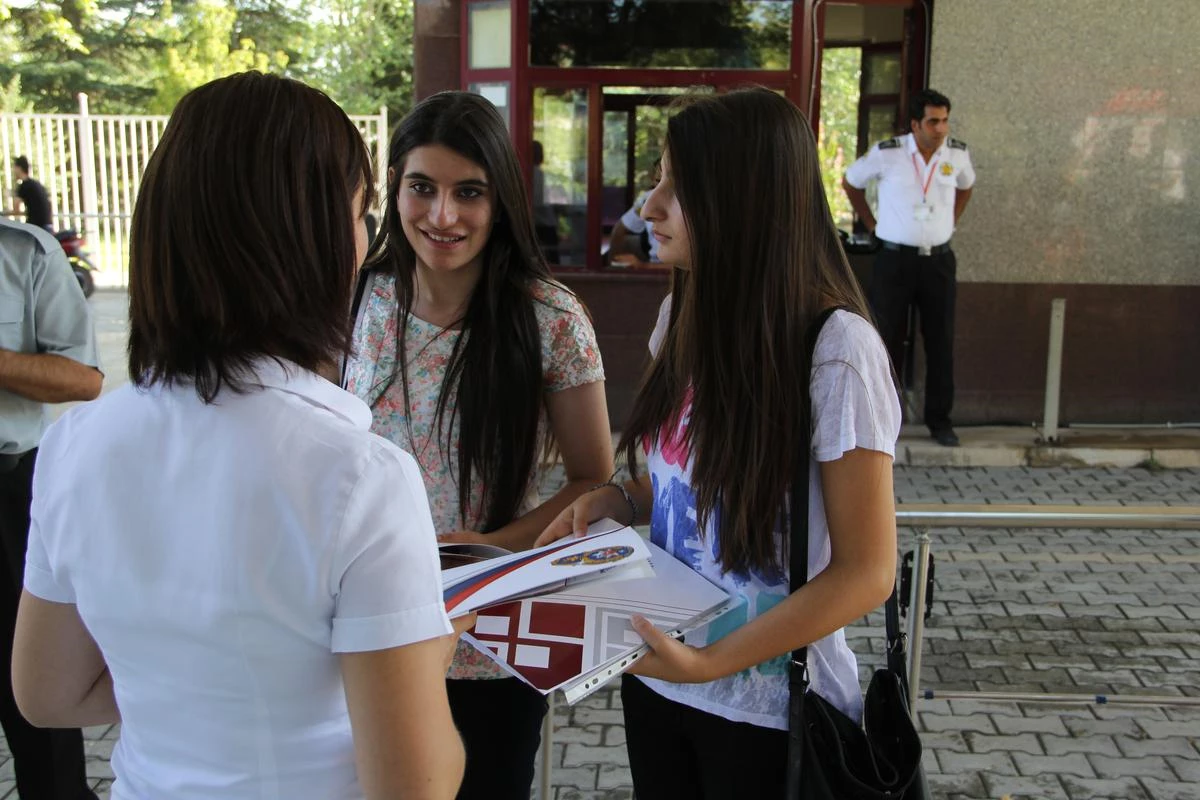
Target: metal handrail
<point>923,516</point>
<point>935,515</point>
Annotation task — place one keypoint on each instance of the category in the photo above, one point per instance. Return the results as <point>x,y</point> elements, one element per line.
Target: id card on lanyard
<point>923,211</point>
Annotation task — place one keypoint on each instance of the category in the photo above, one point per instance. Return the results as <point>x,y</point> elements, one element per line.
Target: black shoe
<point>946,437</point>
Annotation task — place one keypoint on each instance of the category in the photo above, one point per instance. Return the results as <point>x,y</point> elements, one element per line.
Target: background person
<point>474,359</point>
<point>545,221</point>
<point>47,355</point>
<point>720,420</point>
<point>29,196</point>
<point>925,180</point>
<point>632,242</point>
<point>257,596</point>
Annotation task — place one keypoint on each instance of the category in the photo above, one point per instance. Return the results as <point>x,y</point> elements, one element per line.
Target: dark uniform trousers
<point>49,764</point>
<point>905,278</point>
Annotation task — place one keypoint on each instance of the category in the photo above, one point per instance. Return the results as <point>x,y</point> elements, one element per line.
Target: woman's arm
<point>59,676</point>
<point>405,742</point>
<point>579,421</point>
<point>861,513</point>
<point>606,501</point>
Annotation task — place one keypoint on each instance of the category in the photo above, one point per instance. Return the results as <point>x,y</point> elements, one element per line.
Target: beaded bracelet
<point>620,487</point>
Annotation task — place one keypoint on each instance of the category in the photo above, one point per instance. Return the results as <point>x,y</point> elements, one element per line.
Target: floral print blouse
<point>570,357</point>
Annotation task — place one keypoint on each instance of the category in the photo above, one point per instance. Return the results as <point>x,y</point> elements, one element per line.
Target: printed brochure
<point>580,636</point>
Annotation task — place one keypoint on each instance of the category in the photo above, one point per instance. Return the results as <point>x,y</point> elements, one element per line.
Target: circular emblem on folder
<point>604,555</point>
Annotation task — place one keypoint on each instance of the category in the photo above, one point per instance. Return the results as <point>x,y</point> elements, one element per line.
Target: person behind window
<point>720,419</point>
<point>474,359</point>
<point>545,221</point>
<point>223,558</point>
<point>633,243</point>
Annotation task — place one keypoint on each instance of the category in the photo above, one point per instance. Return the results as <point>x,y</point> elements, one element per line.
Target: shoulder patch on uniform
<point>890,144</point>
<point>958,144</point>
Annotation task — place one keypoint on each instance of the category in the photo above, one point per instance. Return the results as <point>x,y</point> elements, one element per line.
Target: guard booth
<point>584,86</point>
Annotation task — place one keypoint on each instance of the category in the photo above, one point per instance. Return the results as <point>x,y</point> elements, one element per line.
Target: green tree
<point>134,56</point>
<point>11,99</point>
<point>367,56</point>
<point>197,49</point>
<point>837,134</point>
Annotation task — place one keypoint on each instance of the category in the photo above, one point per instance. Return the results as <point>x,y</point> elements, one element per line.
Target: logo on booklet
<point>604,555</point>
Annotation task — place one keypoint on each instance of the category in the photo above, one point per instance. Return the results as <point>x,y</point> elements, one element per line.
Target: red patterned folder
<point>578,638</point>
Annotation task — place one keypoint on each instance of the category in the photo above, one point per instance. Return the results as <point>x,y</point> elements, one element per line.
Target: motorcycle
<point>72,244</point>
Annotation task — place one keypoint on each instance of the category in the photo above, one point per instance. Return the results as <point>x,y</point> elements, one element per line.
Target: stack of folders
<point>559,616</point>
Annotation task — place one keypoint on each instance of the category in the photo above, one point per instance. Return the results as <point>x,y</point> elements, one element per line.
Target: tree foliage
<point>134,56</point>
<point>837,138</point>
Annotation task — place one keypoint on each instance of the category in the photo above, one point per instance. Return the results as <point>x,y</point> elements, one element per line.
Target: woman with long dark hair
<point>722,421</point>
<point>475,360</point>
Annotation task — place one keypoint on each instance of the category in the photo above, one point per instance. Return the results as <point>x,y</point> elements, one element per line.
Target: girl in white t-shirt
<point>719,422</point>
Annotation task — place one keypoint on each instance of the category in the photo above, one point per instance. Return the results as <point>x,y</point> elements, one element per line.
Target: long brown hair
<point>766,260</point>
<point>495,364</point>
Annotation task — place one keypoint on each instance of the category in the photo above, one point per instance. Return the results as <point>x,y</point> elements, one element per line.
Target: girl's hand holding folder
<point>670,659</point>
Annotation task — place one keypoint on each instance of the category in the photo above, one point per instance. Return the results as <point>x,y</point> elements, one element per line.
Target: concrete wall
<point>1083,121</point>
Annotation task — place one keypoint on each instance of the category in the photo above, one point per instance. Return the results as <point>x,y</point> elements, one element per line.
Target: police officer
<point>925,181</point>
<point>47,355</point>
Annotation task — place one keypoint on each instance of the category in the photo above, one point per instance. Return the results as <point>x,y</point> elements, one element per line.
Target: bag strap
<point>798,549</point>
<point>798,509</point>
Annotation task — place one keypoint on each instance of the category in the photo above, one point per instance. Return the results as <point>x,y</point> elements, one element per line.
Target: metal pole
<point>1036,697</point>
<point>916,621</point>
<point>547,760</point>
<point>381,156</point>
<point>1058,313</point>
<point>87,162</point>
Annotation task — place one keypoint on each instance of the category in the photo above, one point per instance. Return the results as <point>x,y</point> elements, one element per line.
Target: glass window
<point>497,94</point>
<point>635,127</point>
<point>560,166</point>
<point>883,72</point>
<point>489,32</point>
<point>837,136</point>
<point>881,123</point>
<point>709,34</point>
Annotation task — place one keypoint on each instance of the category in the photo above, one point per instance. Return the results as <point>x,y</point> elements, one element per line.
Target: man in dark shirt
<point>30,194</point>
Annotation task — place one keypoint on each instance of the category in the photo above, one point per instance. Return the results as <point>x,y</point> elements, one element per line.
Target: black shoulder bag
<point>830,756</point>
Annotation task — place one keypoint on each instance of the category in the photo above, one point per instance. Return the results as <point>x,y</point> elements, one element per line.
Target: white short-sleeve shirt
<point>222,556</point>
<point>916,197</point>
<point>855,405</point>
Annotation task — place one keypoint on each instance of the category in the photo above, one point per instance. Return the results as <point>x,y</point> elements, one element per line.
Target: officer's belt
<point>916,251</point>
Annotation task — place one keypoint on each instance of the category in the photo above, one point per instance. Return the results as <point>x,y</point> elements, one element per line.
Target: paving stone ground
<point>1109,612</point>
<point>1113,612</point>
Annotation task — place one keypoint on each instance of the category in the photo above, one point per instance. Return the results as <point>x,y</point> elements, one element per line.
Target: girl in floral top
<point>475,360</point>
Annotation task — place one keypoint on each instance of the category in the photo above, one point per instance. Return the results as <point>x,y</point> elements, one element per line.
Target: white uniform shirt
<point>222,556</point>
<point>909,213</point>
<point>633,222</point>
<point>854,405</point>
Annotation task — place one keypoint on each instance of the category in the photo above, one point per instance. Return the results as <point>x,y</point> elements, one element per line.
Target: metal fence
<point>91,165</point>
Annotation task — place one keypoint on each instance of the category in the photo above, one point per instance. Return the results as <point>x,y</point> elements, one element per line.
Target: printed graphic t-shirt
<point>854,405</point>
